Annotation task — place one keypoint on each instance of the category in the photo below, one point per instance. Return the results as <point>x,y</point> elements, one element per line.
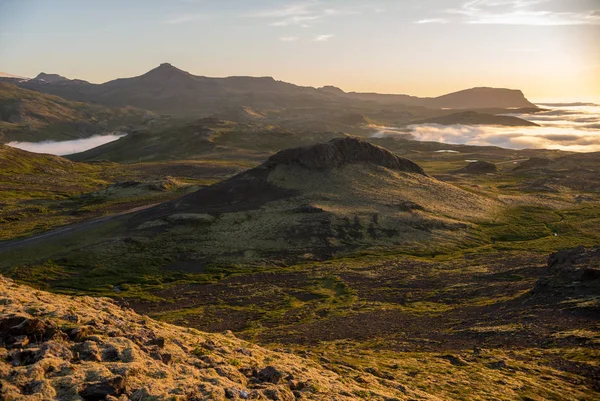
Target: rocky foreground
<point>56,347</point>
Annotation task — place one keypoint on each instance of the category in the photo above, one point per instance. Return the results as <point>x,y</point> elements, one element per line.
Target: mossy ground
<point>459,322</point>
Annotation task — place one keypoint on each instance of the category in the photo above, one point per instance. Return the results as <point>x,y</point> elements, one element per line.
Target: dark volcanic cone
<point>341,151</point>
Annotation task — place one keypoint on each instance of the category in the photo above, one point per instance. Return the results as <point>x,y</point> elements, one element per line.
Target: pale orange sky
<point>550,49</point>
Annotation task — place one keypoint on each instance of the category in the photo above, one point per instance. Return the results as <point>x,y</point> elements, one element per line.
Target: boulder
<point>270,374</point>
<point>114,386</point>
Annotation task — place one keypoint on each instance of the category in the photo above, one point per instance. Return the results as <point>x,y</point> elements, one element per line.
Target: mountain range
<point>167,89</point>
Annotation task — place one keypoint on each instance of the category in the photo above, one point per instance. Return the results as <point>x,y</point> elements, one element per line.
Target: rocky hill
<point>478,167</point>
<point>82,348</point>
<point>575,274</point>
<point>305,204</point>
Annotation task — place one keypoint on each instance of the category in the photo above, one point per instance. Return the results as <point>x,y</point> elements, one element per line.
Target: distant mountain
<point>474,98</point>
<point>167,89</point>
<point>27,115</point>
<point>49,78</point>
<point>481,98</point>
<point>474,118</point>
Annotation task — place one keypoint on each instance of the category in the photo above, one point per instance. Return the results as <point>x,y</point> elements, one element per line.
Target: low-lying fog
<point>61,148</point>
<point>565,126</point>
<point>572,127</point>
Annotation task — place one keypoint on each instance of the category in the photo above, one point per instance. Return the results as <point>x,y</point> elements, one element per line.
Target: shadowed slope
<point>27,115</point>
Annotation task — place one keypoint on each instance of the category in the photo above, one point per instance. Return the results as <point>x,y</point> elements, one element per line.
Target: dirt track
<point>7,245</point>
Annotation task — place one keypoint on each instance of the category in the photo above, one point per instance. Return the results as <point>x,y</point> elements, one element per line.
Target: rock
<point>497,365</point>
<point>79,334</point>
<point>297,385</point>
<point>55,349</point>
<point>88,351</point>
<point>270,374</point>
<point>244,351</point>
<point>341,151</point>
<point>574,272</point>
<point>10,321</point>
<point>166,358</point>
<point>231,393</point>
<point>72,318</point>
<point>163,357</point>
<point>454,360</point>
<point>160,342</point>
<point>110,354</point>
<point>478,167</point>
<point>279,394</point>
<point>23,358</point>
<point>99,391</point>
<point>34,329</point>
<point>576,263</point>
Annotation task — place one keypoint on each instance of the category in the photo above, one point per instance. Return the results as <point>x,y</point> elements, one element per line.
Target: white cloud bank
<point>566,127</point>
<point>61,148</point>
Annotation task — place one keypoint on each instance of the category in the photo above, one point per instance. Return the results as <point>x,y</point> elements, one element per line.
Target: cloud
<point>566,115</point>
<point>62,148</point>
<point>570,139</point>
<point>572,127</point>
<point>322,38</point>
<point>432,21</point>
<point>515,12</point>
<point>184,18</point>
<point>301,14</point>
<point>288,38</point>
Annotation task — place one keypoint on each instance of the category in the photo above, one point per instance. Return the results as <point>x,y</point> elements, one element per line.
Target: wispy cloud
<point>302,14</point>
<point>288,38</point>
<point>180,19</point>
<point>514,12</point>
<point>432,21</point>
<point>322,38</point>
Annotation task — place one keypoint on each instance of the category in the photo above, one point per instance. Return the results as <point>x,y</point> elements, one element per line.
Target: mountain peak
<point>332,89</point>
<point>50,78</point>
<point>341,151</point>
<point>166,71</point>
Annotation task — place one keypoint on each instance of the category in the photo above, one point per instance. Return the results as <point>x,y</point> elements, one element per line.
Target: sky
<point>550,49</point>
